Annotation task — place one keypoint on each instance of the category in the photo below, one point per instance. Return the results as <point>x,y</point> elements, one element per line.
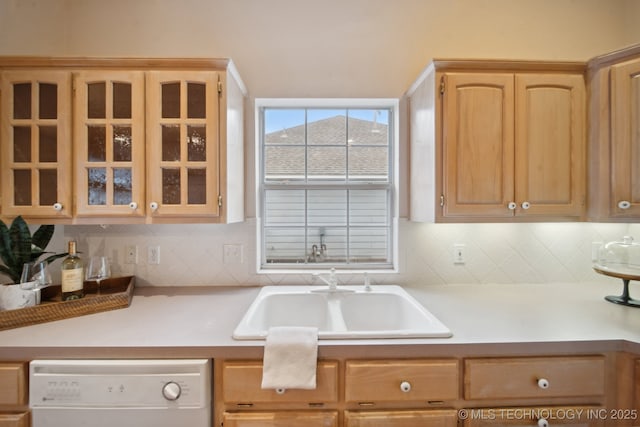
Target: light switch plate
<point>153,255</point>
<point>232,253</point>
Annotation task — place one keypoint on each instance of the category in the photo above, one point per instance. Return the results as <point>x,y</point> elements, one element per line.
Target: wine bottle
<point>72,275</point>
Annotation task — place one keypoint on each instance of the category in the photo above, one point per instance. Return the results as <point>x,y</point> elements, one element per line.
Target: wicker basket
<point>114,293</point>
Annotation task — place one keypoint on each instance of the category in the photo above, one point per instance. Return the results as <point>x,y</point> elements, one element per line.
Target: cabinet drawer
<point>438,418</point>
<point>281,419</point>
<point>555,415</point>
<point>406,380</point>
<point>13,384</point>
<point>532,377</point>
<point>14,420</point>
<point>241,384</point>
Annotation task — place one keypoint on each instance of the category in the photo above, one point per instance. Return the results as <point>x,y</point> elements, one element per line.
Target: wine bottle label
<point>72,280</point>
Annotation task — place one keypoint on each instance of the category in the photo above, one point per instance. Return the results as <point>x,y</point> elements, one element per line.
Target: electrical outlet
<point>459,250</point>
<point>232,253</point>
<point>131,254</point>
<point>153,255</point>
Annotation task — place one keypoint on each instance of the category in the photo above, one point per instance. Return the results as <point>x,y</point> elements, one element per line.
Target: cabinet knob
<point>153,205</point>
<point>624,204</point>
<point>57,207</point>
<point>526,205</point>
<point>281,390</point>
<point>405,386</point>
<point>543,383</point>
<point>512,205</point>
<point>133,206</point>
<point>543,422</point>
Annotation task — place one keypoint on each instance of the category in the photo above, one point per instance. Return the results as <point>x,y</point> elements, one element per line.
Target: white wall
<point>333,48</point>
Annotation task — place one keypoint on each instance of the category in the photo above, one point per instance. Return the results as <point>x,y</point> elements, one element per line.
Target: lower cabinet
<point>538,391</point>
<point>243,403</point>
<point>350,393</point>
<point>15,420</point>
<point>556,416</point>
<point>280,419</point>
<point>14,401</point>
<point>401,418</point>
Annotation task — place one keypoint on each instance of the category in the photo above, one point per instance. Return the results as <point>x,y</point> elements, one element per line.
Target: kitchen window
<point>327,186</point>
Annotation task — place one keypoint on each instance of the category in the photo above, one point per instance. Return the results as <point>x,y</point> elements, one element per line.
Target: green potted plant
<point>18,246</point>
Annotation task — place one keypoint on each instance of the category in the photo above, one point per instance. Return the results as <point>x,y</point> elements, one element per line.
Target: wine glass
<point>98,269</point>
<point>35,276</point>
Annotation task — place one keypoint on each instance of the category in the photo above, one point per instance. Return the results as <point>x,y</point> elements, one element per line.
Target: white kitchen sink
<point>385,311</point>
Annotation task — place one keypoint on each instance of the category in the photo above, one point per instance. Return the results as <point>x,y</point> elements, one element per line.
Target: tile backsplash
<point>494,253</point>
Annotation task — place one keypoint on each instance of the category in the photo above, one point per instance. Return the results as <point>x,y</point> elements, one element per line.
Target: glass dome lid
<point>620,256</point>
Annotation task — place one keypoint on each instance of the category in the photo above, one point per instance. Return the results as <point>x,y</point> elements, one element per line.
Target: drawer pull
<point>542,422</point>
<point>281,390</point>
<point>405,386</point>
<point>543,383</point>
<point>244,405</point>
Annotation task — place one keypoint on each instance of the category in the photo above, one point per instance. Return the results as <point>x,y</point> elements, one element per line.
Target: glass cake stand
<point>626,276</point>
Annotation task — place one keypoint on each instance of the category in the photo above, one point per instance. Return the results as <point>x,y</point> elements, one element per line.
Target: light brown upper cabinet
<point>182,117</point>
<point>109,143</point>
<point>615,136</point>
<point>150,140</point>
<point>36,144</point>
<point>498,141</point>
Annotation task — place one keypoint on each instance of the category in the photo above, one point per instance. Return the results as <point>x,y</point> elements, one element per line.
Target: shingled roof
<point>328,142</point>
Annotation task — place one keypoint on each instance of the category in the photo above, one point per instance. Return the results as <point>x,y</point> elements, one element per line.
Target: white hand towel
<point>290,358</point>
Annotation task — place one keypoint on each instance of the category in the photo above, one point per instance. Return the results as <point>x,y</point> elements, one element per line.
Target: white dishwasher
<point>120,393</point>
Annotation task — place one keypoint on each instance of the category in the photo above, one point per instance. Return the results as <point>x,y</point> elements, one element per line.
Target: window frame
<point>392,104</point>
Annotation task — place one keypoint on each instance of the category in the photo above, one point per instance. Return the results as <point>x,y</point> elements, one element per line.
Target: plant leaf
<point>20,243</point>
<point>21,240</point>
<point>5,246</point>
<point>42,236</point>
<point>54,257</point>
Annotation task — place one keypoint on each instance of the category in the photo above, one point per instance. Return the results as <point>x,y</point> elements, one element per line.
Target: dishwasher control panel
<point>120,383</point>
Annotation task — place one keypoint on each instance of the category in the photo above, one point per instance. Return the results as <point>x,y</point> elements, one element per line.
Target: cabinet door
<point>242,384</point>
<point>478,143</point>
<point>434,418</point>
<point>625,139</point>
<point>534,377</point>
<point>109,143</point>
<point>14,420</point>
<point>36,144</point>
<point>556,416</point>
<point>183,143</point>
<point>550,145</point>
<point>280,419</point>
<point>373,382</point>
<point>13,384</point>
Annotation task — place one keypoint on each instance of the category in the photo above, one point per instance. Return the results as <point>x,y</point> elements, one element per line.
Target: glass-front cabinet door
<point>36,144</point>
<point>109,143</point>
<point>183,144</point>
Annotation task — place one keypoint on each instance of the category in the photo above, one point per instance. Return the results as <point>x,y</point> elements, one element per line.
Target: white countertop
<point>484,319</point>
